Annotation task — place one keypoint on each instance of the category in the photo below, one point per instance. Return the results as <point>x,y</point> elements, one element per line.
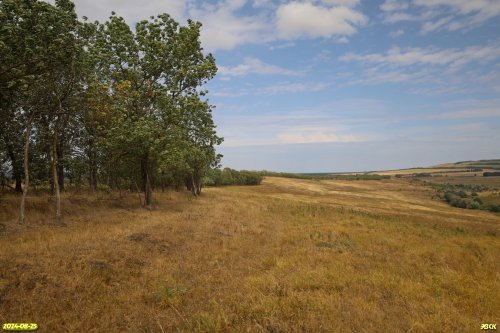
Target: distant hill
<point>490,164</point>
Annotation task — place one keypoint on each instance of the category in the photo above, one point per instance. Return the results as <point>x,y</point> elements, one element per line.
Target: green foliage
<point>491,174</point>
<point>228,176</point>
<point>324,176</point>
<point>423,174</point>
<point>464,196</point>
<point>104,103</point>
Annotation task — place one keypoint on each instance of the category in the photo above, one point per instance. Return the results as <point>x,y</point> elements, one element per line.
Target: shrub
<point>494,208</point>
<point>423,174</point>
<point>474,205</point>
<point>491,174</point>
<point>450,197</point>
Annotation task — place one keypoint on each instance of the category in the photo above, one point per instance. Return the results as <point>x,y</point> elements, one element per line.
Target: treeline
<point>324,176</point>
<point>227,176</point>
<point>89,103</point>
<point>491,174</point>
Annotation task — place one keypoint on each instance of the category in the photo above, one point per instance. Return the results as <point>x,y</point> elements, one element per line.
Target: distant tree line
<point>92,104</point>
<point>227,176</point>
<point>491,174</point>
<point>325,176</point>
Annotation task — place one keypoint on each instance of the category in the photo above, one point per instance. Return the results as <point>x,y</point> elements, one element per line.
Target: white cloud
<point>430,26</point>
<point>343,40</point>
<point>263,3</point>
<point>431,71</point>
<point>223,29</point>
<point>131,10</point>
<point>394,5</point>
<point>483,9</point>
<point>227,24</point>
<point>255,66</point>
<point>454,58</point>
<point>347,3</point>
<point>397,33</point>
<point>281,46</point>
<point>299,19</point>
<point>305,135</point>
<point>303,127</point>
<point>438,15</point>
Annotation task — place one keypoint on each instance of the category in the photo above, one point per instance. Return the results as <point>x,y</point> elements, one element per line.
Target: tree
<point>155,71</point>
<point>102,101</point>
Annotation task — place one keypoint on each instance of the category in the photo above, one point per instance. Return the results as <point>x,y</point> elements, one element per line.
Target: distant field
<point>472,164</point>
<point>493,182</point>
<point>290,255</point>
<point>415,171</point>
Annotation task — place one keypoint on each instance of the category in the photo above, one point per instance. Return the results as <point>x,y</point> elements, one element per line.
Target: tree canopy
<point>102,104</point>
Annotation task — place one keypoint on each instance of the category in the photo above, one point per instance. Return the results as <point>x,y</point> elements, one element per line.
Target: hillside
<point>489,164</point>
<point>286,256</point>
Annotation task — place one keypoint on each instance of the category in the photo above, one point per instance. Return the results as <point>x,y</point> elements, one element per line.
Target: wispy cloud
<point>452,57</point>
<point>288,87</point>
<point>489,108</point>
<point>394,5</point>
<point>305,135</point>
<point>255,66</point>
<point>436,15</point>
<point>397,33</point>
<point>441,69</point>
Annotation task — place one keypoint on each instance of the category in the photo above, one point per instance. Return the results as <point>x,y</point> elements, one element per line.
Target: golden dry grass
<point>286,256</point>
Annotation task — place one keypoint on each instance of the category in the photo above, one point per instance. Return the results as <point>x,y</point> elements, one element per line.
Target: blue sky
<point>345,85</point>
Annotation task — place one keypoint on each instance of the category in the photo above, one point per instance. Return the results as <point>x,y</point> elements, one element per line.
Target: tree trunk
<point>198,182</point>
<point>17,168</point>
<point>26,169</point>
<point>60,167</point>
<point>55,176</point>
<point>195,183</point>
<point>148,191</point>
<point>193,186</point>
<point>56,179</point>
<point>93,169</point>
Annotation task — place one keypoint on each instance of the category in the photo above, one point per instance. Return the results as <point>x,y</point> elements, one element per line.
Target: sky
<point>344,85</point>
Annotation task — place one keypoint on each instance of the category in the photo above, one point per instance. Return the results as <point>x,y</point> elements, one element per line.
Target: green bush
<point>474,205</point>
<point>478,200</point>
<point>228,176</point>
<point>494,208</point>
<point>450,197</point>
<point>491,174</point>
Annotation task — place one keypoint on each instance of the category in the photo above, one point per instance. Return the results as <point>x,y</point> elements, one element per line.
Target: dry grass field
<point>492,182</point>
<point>286,256</point>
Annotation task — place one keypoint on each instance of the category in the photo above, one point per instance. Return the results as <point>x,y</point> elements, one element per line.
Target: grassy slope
<point>470,164</point>
<point>452,169</point>
<point>286,256</point>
